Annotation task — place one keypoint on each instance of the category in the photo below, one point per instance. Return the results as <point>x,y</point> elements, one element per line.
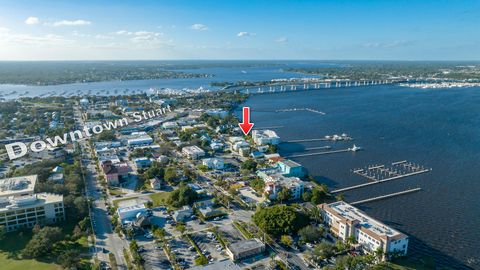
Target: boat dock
<point>382,197</point>
<point>380,173</point>
<point>333,138</point>
<point>301,109</point>
<point>270,127</point>
<point>320,153</point>
<point>396,170</point>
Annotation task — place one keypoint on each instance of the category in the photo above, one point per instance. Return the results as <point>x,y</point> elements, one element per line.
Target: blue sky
<point>181,29</point>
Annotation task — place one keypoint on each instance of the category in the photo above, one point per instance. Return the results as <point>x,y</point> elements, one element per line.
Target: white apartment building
<point>214,163</point>
<point>21,208</point>
<point>275,182</point>
<point>193,152</point>
<point>346,220</point>
<point>263,137</point>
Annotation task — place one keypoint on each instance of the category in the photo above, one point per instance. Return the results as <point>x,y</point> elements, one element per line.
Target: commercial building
<point>245,249</point>
<point>291,168</point>
<point>263,137</point>
<point>140,141</point>
<point>224,265</point>
<point>183,214</point>
<point>214,163</point>
<point>193,152</point>
<point>21,208</point>
<point>347,221</point>
<point>129,213</point>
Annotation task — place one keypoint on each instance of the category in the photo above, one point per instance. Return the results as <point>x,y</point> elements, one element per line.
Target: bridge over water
<point>289,86</point>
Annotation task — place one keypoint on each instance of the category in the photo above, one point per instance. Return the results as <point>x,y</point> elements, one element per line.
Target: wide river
<point>438,129</point>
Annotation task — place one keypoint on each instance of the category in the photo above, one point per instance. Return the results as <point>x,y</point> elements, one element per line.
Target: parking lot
<point>183,251</point>
<point>210,246</point>
<point>154,257</point>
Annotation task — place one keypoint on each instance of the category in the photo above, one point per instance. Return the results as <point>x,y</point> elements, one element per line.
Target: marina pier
<point>380,174</point>
<point>382,197</point>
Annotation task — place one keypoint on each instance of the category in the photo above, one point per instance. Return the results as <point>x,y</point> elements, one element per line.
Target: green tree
<point>324,250</point>
<point>318,196</point>
<point>249,165</point>
<point>286,240</point>
<point>182,196</point>
<point>307,196</point>
<point>69,259</point>
<point>284,195</point>
<point>43,242</point>
<point>170,174</point>
<point>310,234</point>
<point>280,219</point>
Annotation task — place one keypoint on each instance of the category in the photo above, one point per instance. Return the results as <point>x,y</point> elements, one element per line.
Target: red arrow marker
<point>246,126</point>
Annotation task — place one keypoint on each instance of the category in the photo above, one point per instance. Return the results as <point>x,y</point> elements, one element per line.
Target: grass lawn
<point>115,202</point>
<point>10,258</point>
<point>115,191</point>
<point>408,264</point>
<point>159,198</point>
<point>13,243</point>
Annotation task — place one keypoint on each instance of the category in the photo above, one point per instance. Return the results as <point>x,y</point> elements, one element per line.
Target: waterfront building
<point>345,220</point>
<point>275,182</point>
<point>245,249</point>
<point>193,152</point>
<point>291,168</point>
<point>263,137</point>
<point>21,208</point>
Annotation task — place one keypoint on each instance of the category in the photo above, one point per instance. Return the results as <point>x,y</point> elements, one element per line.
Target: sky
<point>234,29</point>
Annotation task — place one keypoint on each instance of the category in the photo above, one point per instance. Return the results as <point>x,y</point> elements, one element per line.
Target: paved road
<point>104,235</point>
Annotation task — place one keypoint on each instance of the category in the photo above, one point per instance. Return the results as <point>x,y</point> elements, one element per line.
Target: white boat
<point>355,148</point>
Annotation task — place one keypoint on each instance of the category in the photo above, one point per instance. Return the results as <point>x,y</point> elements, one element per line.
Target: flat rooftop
<point>290,163</point>
<point>352,213</point>
<point>17,185</point>
<point>224,265</point>
<point>39,199</point>
<point>245,245</point>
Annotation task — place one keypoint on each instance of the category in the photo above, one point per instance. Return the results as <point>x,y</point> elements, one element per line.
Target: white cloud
<point>71,23</point>
<point>32,20</point>
<point>391,44</point>
<point>281,40</point>
<point>8,38</point>
<point>245,34</point>
<point>100,36</point>
<point>199,27</point>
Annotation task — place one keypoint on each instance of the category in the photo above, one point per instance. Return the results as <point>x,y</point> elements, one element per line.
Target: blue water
<point>434,128</point>
<point>238,71</point>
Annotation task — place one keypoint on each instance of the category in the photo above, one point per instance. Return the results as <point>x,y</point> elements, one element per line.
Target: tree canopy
<point>280,219</point>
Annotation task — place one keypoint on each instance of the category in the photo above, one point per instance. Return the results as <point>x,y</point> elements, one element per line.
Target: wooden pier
<point>382,197</point>
<point>320,153</point>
